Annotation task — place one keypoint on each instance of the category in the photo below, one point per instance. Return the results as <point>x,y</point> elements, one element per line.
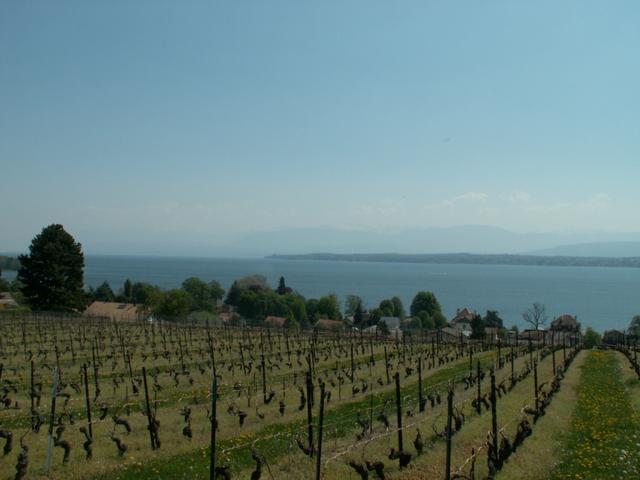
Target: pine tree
<point>52,273</point>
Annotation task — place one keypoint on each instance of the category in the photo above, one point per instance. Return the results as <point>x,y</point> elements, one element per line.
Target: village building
<point>274,322</point>
<point>118,312</point>
<point>533,335</point>
<point>565,323</point>
<point>7,301</point>
<point>613,337</point>
<point>393,323</point>
<point>491,334</point>
<point>565,329</point>
<point>328,325</point>
<point>462,321</point>
<point>444,335</point>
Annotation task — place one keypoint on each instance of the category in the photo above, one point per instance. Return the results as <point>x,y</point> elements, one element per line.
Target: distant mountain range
<point>476,239</point>
<point>597,249</point>
<point>472,259</point>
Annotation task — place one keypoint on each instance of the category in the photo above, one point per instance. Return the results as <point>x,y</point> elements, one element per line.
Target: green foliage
<point>477,327</point>
<point>374,316</point>
<point>145,295</point>
<point>255,283</point>
<point>52,272</point>
<point>439,320</point>
<point>592,338</point>
<point>358,315</point>
<point>204,295</point>
<point>427,302</point>
<point>104,293</point>
<point>297,309</point>
<point>4,285</point>
<point>398,308</point>
<point>386,308</point>
<point>415,324</point>
<point>282,287</point>
<point>426,320</point>
<point>327,307</point>
<point>127,291</point>
<point>174,304</point>
<point>351,304</point>
<point>392,307</point>
<point>291,323</point>
<point>634,326</point>
<point>492,319</point>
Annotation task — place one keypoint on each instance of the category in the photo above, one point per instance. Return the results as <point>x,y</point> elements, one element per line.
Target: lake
<point>600,297</point>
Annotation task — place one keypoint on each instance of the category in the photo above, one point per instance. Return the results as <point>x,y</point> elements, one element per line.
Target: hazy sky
<point>155,121</point>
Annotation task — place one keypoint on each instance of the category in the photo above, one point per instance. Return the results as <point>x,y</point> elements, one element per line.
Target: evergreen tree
<point>282,287</point>
<point>358,316</point>
<point>104,293</point>
<point>127,290</point>
<point>477,327</point>
<point>52,273</point>
<point>492,319</point>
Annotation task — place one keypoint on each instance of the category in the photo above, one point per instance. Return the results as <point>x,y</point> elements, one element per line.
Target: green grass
<point>604,436</point>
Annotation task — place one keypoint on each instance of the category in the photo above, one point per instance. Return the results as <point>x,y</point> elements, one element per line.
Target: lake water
<point>600,297</point>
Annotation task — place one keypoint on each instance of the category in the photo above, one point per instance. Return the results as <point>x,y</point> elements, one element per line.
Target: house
<point>7,302</point>
<point>393,323</point>
<point>491,334</point>
<point>565,323</point>
<point>444,335</point>
<point>533,335</point>
<point>328,325</point>
<point>462,320</point>
<point>613,337</point>
<point>274,322</point>
<point>119,312</point>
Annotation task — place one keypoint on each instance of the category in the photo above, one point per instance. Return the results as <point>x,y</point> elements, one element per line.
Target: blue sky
<point>137,123</point>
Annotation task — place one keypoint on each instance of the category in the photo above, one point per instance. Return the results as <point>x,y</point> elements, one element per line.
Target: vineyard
<point>97,399</point>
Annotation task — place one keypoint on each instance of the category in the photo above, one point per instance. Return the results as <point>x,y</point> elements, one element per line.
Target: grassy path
<point>604,436</point>
<point>537,457</point>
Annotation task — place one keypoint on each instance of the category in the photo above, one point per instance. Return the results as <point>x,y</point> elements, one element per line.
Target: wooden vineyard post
<point>386,363</point>
<point>535,380</point>
<point>33,415</point>
<point>494,414</point>
<point>399,413</point>
<point>499,354</point>
<point>352,364</point>
<point>421,399</point>
<point>149,420</point>
<point>130,371</point>
<point>95,370</point>
<point>320,425</point>
<point>309,412</point>
<point>564,352</point>
<point>478,404</point>
<point>54,394</point>
<point>512,366</point>
<point>449,432</point>
<point>264,380</point>
<point>86,394</point>
<point>214,425</point>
